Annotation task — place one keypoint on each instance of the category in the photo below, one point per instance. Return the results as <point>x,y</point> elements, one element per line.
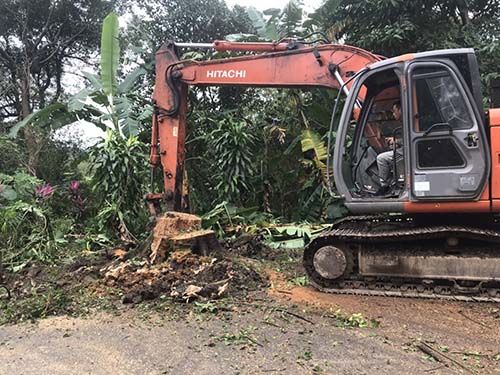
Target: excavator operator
<point>385,160</point>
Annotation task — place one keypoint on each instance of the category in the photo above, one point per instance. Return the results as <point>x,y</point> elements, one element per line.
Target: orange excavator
<point>423,186</point>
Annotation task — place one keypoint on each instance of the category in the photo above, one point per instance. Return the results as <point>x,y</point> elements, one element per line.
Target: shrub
<point>10,156</point>
<point>119,173</point>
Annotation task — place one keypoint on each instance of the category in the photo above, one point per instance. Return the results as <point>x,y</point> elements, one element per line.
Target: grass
<point>205,307</point>
<point>48,299</point>
<point>300,281</point>
<point>36,305</point>
<point>356,320</point>
<point>242,337</point>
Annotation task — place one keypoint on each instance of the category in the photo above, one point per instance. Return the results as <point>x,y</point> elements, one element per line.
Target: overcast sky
<point>309,5</point>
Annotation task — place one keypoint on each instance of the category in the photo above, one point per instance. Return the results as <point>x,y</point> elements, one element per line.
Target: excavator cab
<point>439,145</point>
<point>376,134</point>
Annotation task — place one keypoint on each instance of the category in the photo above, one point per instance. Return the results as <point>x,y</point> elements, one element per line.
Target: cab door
<point>448,145</point>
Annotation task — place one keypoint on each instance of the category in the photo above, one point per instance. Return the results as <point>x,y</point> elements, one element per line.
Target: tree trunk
<point>30,136</point>
<point>33,145</point>
<point>464,11</point>
<point>25,91</point>
<point>59,71</point>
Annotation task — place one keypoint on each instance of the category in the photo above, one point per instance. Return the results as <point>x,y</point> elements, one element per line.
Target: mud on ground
<point>244,311</point>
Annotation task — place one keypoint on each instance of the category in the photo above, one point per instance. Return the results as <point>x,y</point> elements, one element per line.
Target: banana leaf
<point>110,53</point>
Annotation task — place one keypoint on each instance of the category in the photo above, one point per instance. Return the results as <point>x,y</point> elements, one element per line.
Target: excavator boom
<point>286,64</point>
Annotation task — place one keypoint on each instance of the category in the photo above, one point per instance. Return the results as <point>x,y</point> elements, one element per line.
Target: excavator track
<point>398,257</point>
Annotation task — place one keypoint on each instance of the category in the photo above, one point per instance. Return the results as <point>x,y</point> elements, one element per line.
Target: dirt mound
<point>251,246</point>
<point>183,276</point>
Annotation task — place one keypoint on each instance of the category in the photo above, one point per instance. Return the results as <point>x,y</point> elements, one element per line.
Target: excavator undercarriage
<point>403,256</point>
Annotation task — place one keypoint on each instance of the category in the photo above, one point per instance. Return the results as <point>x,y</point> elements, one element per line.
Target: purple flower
<point>75,196</point>
<point>44,191</point>
<point>74,185</point>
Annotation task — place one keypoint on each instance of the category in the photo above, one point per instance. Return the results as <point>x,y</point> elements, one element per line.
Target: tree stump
<point>177,231</point>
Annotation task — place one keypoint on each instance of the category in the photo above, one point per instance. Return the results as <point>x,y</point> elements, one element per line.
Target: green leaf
<point>311,140</point>
<point>77,101</point>
<point>292,145</point>
<point>110,53</point>
<point>21,124</point>
<point>272,30</point>
<point>94,80</point>
<point>131,79</point>
<point>129,126</point>
<point>257,20</point>
<point>19,267</point>
<point>7,193</point>
<point>294,243</point>
<point>272,12</point>
<point>301,281</point>
<point>41,117</point>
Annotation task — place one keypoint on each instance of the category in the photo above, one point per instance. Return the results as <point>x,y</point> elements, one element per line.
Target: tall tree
<point>393,27</point>
<point>37,39</point>
<point>187,20</point>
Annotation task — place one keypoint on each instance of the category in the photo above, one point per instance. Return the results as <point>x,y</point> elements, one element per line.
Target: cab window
<point>439,100</point>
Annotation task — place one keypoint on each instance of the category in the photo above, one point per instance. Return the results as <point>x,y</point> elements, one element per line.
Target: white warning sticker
<point>175,131</point>
<point>422,186</point>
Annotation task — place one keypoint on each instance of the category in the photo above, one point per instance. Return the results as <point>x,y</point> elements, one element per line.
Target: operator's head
<point>396,110</point>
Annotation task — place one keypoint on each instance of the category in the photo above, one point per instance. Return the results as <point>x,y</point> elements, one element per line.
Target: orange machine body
<point>489,202</point>
<point>494,187</point>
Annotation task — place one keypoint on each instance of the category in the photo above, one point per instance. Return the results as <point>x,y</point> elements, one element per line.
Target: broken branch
<point>440,357</point>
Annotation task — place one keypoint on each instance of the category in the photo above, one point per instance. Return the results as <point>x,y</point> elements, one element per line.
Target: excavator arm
<point>285,64</point>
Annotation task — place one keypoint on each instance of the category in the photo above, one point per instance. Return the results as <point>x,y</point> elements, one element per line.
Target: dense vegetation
<point>250,156</point>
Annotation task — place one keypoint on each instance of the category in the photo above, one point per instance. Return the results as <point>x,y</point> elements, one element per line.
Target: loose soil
<point>240,312</point>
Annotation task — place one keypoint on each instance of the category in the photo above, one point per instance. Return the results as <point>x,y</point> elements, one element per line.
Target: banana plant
<point>311,141</point>
<point>107,103</point>
<point>275,23</point>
